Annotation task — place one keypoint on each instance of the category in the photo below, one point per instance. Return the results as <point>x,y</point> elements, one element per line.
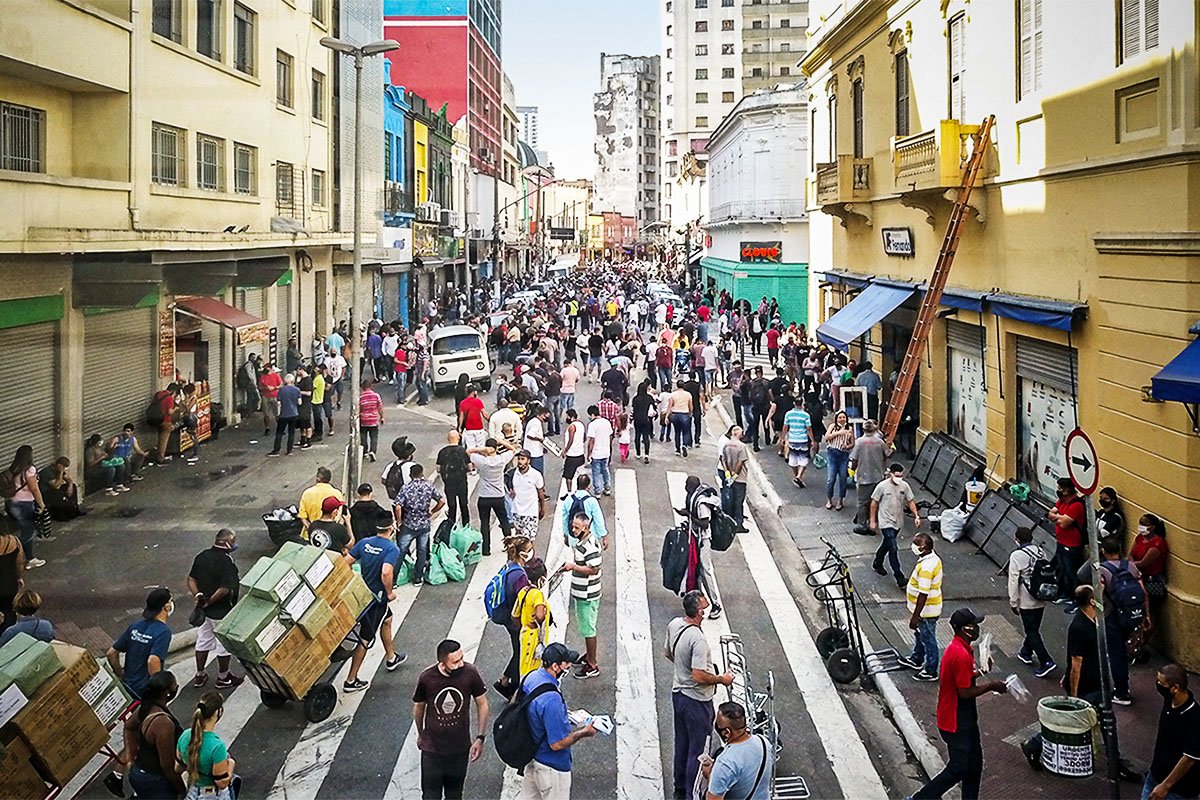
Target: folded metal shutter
<point>120,372</point>
<point>29,410</point>
<point>211,333</point>
<point>967,338</point>
<point>283,317</point>
<point>1048,363</point>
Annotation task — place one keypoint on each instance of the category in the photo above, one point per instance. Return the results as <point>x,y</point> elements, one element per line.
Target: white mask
<point>897,478</point>
<point>1143,530</point>
<point>916,550</point>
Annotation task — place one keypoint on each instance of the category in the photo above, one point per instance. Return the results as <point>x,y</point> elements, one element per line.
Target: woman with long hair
<point>519,550</point>
<point>531,612</point>
<point>1149,554</point>
<point>203,753</point>
<point>25,501</point>
<point>1111,516</point>
<point>838,441</point>
<point>150,736</point>
<point>643,406</point>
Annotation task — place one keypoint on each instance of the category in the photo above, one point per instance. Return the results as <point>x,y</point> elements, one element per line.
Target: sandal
<point>838,507</point>
<point>828,505</point>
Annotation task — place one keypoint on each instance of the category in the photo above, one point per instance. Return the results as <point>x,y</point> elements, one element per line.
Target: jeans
<point>681,422</point>
<point>150,785</point>
<point>965,766</point>
<point>421,537</point>
<point>1033,646</point>
<point>21,512</point>
<point>554,403</point>
<point>664,379</point>
<point>456,498</point>
<point>1068,559</point>
<point>693,721</point>
<point>424,390</point>
<point>736,506</point>
<point>601,476</point>
<point>697,420</point>
<point>1148,787</point>
<point>839,461</point>
<point>753,420</point>
<point>643,434</point>
<point>401,385</point>
<point>539,464</point>
<point>369,434</point>
<point>1118,654</point>
<point>285,424</point>
<point>887,549</point>
<point>443,775</point>
<point>486,506</point>
<point>925,645</point>
<point>566,400</point>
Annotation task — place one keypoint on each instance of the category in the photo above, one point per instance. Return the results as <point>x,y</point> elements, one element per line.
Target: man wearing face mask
<point>1070,532</point>
<point>442,715</point>
<point>888,501</point>
<point>213,583</point>
<point>1173,772</point>
<point>743,767</point>
<point>144,643</point>
<point>924,597</point>
<point>957,718</point>
<point>548,776</point>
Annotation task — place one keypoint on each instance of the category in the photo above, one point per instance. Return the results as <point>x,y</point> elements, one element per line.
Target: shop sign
<point>273,346</point>
<point>251,334</point>
<point>762,252</point>
<point>425,240</point>
<point>166,344</point>
<point>562,234</point>
<point>898,242</point>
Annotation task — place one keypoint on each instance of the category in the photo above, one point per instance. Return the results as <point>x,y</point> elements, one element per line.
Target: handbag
<point>43,523</point>
<point>1156,585</point>
<point>197,617</point>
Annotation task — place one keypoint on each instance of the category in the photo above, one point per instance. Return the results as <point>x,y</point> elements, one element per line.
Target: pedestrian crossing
<point>367,747</point>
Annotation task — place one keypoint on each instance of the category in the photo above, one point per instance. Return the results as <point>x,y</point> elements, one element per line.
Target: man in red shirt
<point>1070,532</point>
<point>370,417</point>
<point>268,389</point>
<point>400,367</point>
<point>957,719</point>
<point>703,312</point>
<point>773,344</point>
<point>472,418</point>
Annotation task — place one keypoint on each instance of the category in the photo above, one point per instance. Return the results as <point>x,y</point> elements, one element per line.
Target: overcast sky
<point>552,53</point>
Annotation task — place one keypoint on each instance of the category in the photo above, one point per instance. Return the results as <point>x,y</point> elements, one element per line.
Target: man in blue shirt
<point>548,776</point>
<point>798,438</point>
<point>380,557</point>
<point>582,501</point>
<point>144,643</point>
<point>289,414</point>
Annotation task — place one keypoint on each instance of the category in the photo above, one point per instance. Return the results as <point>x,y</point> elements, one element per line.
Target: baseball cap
<point>155,601</point>
<point>525,453</point>
<point>557,652</point>
<point>964,616</point>
<point>331,503</point>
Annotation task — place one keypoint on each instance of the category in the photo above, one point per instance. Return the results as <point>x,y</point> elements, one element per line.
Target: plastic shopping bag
<point>468,543</point>
<point>448,559</point>
<point>404,574</point>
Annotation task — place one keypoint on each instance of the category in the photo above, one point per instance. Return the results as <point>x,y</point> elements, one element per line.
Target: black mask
<point>1165,691</point>
<point>1063,492</point>
<point>969,632</point>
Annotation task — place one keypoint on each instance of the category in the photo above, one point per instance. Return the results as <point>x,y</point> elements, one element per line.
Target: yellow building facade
<point>1078,272</point>
<point>148,160</point>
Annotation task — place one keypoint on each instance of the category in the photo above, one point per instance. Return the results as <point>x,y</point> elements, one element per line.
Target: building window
<point>727,49</point>
<point>701,97</point>
<point>318,11</point>
<point>727,72</point>
<point>669,7</point>
<point>785,47</point>
<point>245,168</point>
<point>756,24</point>
<point>208,28</point>
<point>1137,27</point>
<point>726,97</point>
<point>702,26</point>
<point>785,23</point>
<point>284,197</point>
<point>318,188</point>
<point>673,148</point>
<point>701,74</point>
<point>701,122</point>
<point>726,24</point>
<point>283,79</point>
<point>669,50</point>
<point>785,71</point>
<point>701,3</point>
<point>318,95</point>
<point>670,29</point>
<point>756,72</point>
<point>1029,40</point>
<point>812,145</point>
<point>958,67</point>
<point>22,138</point>
<point>901,72</point>
<point>726,3</point>
<point>166,155</point>
<point>670,98</point>
<point>670,76</point>
<point>701,49</point>
<point>210,163</point>
<point>244,21</point>
<point>856,98</point>
<point>167,19</point>
<point>832,128</point>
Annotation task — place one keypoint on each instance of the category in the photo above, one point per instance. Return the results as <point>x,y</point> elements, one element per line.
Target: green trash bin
<point>1067,725</point>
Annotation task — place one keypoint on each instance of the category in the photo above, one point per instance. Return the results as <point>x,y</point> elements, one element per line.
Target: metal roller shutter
<point>1047,363</point>
<point>251,301</point>
<point>119,359</point>
<point>283,316</point>
<point>212,333</point>
<point>964,337</point>
<point>30,415</point>
<point>343,293</point>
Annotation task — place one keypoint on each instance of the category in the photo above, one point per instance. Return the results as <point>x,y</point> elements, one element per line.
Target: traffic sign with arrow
<point>1083,466</point>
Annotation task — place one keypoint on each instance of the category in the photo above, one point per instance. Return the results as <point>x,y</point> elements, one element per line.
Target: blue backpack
<point>496,601</point>
<point>1127,594</point>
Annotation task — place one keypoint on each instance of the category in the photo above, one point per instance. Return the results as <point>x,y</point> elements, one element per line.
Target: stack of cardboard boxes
<point>56,706</point>
<point>295,610</point>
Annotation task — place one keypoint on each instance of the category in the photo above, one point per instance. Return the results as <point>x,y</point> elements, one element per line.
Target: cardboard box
<point>298,661</point>
<point>300,557</point>
<point>252,628</point>
<point>313,621</point>
<point>12,700</point>
<point>343,622</point>
<point>357,596</point>
<point>110,705</point>
<point>271,579</point>
<point>28,663</point>
<point>299,603</point>
<point>79,665</point>
<point>19,778</point>
<point>61,729</point>
<point>330,589</point>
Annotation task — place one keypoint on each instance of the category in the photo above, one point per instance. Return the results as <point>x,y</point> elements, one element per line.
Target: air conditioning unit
<point>429,212</point>
<point>448,218</point>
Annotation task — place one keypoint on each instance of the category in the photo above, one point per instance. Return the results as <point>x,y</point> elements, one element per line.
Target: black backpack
<point>393,479</point>
<point>723,529</point>
<point>1128,596</point>
<point>1043,578</point>
<point>674,559</point>
<point>578,506</point>
<point>512,732</point>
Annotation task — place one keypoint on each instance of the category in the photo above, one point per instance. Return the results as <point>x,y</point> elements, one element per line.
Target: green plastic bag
<point>819,461</point>
<point>468,543</point>
<point>404,573</point>
<point>447,557</point>
<point>437,574</point>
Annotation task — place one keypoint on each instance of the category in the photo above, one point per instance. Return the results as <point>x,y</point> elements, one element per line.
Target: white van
<point>455,349</point>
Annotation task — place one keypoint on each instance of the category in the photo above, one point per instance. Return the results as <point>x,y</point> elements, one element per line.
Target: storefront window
<point>967,399</point>
<point>1046,417</point>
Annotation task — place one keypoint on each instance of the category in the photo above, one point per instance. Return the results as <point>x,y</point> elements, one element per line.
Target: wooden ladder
<point>933,294</point>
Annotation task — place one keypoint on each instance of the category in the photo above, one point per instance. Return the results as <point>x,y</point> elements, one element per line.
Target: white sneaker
<point>120,487</point>
<point>34,563</point>
<point>111,492</point>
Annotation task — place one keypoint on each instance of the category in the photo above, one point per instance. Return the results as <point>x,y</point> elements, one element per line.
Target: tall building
<point>626,148</point>
<point>1075,279</point>
<point>773,42</point>
<point>450,55</point>
<point>528,116</point>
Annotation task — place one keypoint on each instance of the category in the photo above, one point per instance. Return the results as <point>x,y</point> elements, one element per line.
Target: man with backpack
<point>1027,571</point>
<point>1125,610</point>
<point>548,773</point>
<point>582,501</point>
<point>160,414</point>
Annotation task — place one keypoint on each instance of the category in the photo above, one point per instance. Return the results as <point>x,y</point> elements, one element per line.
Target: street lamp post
<point>359,53</point>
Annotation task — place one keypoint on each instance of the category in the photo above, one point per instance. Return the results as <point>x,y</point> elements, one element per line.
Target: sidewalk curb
<point>902,717</point>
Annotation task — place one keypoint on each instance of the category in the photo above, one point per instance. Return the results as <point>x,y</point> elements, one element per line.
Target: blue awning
<point>1179,380</point>
<point>848,278</point>
<point>965,299</point>
<point>1047,313</point>
<point>861,313</point>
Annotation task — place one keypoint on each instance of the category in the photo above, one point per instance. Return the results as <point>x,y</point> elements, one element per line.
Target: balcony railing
<point>933,159</point>
<point>757,209</point>
<point>843,181</point>
<point>395,199</point>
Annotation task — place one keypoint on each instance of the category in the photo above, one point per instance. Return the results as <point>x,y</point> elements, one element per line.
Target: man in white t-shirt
<point>710,357</point>
<point>570,379</point>
<point>528,495</point>
<point>535,438</point>
<point>574,448</point>
<point>335,364</point>
<point>599,451</point>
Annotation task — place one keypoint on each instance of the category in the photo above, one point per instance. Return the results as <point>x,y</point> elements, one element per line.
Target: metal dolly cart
<point>841,642</point>
<point>760,713</point>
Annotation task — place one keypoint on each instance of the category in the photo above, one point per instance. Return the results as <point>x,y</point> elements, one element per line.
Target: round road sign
<point>1082,465</point>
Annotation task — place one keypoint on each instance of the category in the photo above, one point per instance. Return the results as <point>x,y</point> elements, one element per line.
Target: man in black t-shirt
<point>1173,771</point>
<point>304,383</point>
<point>452,465</point>
<point>213,582</point>
<point>693,386</point>
<point>364,512</point>
<point>330,530</point>
<point>1083,661</point>
<point>442,713</point>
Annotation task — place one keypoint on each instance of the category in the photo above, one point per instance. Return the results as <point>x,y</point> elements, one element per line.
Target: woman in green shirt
<point>202,754</point>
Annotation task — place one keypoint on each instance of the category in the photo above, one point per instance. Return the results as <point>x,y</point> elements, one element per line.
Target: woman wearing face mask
<point>1111,516</point>
<point>1149,554</point>
<point>519,550</point>
<point>150,736</point>
<point>839,441</point>
<point>207,761</point>
<point>532,613</point>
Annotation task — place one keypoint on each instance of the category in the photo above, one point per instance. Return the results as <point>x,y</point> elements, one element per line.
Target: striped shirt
<point>797,422</point>
<point>926,579</point>
<point>370,409</point>
<point>587,554</point>
<point>840,438</point>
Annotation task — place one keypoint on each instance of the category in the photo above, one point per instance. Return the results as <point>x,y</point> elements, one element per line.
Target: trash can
<point>1067,724</point>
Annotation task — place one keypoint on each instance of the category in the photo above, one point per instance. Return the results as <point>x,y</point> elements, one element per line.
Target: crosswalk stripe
<point>639,764</point>
<point>713,629</point>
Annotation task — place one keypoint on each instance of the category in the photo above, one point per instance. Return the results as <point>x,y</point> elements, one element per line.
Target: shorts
<point>585,613</point>
<point>797,456</point>
<point>526,526</point>
<point>376,614</point>
<point>475,439</point>
<point>207,641</point>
